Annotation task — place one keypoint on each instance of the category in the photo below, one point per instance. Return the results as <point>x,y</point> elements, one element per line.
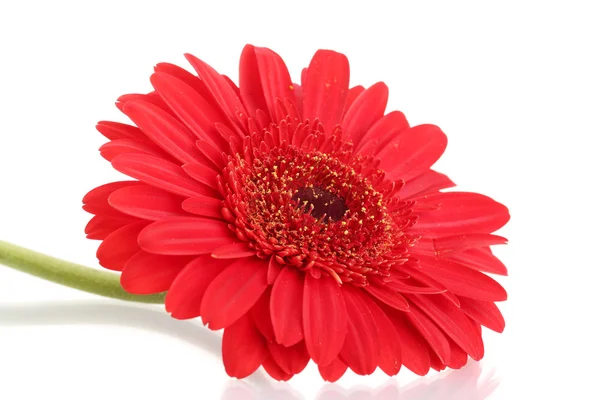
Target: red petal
<point>292,359</point>
<point>452,321</point>
<point>383,132</point>
<point>185,294</point>
<point>126,146</point>
<point>185,236</point>
<point>326,88</point>
<point>189,79</point>
<point>418,274</point>
<point>274,370</point>
<point>100,226</point>
<point>333,371</point>
<point>261,315</point>
<point>204,206</point>
<point>193,109</point>
<point>426,183</point>
<point>286,306</point>
<point>480,259</point>
<point>146,202</point>
<point>431,333</point>
<point>485,313</point>
<point>462,280</point>
<point>461,213</point>
<point>415,353</point>
<point>390,351</point>
<point>232,84</point>
<point>414,152</point>
<point>477,326</point>
<point>234,250</point>
<point>353,94</point>
<point>202,174</point>
<point>212,154</point>
<point>116,130</point>
<point>222,92</point>
<point>390,297</point>
<point>163,129</point>
<point>150,98</point>
<point>299,98</point>
<point>158,173</point>
<point>96,200</point>
<point>364,112</point>
<point>458,357</point>
<point>274,270</point>
<point>120,246</point>
<point>436,363</point>
<point>147,273</point>
<point>402,287</point>
<point>251,91</point>
<point>264,78</point>
<point>244,349</point>
<point>234,292</point>
<point>361,347</point>
<point>458,243</point>
<point>325,319</point>
<point>303,75</point>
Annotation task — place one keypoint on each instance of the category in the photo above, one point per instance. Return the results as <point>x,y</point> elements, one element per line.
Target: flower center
<point>314,205</point>
<point>320,203</point>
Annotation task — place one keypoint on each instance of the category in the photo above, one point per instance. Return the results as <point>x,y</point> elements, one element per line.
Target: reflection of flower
<point>299,218</point>
<point>467,383</point>
<point>455,385</point>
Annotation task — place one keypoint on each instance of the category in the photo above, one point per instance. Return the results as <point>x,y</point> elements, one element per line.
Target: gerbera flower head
<point>300,218</point>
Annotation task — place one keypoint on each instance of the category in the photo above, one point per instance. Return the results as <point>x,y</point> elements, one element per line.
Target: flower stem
<point>69,274</point>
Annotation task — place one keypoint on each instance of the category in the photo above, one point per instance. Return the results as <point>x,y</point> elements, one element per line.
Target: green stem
<point>76,276</point>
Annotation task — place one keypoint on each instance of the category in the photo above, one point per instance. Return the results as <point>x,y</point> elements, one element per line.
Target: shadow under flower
<point>464,384</point>
<point>138,317</point>
<point>118,314</point>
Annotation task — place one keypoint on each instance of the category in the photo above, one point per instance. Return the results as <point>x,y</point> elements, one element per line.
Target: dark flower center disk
<point>322,203</point>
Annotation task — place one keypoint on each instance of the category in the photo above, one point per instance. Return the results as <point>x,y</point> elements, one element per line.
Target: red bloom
<point>302,219</point>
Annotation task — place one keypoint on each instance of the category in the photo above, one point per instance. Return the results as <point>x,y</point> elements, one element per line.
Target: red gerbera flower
<point>301,219</point>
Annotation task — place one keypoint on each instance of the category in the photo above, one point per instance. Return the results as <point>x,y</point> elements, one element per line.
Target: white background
<point>515,85</point>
